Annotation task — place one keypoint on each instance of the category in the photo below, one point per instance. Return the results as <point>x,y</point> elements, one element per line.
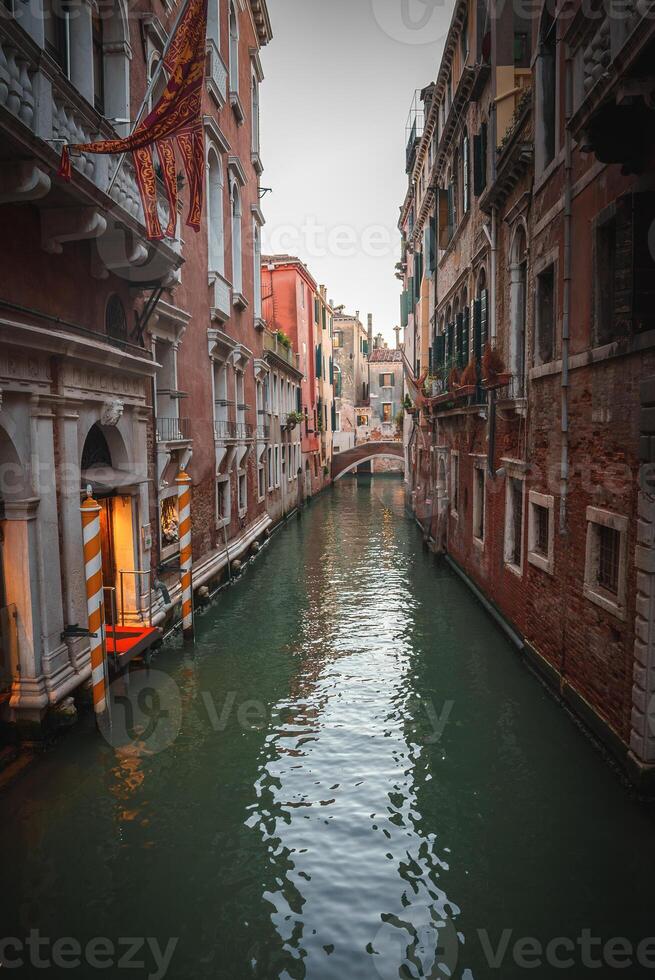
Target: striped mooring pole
<point>183,481</point>
<point>95,599</point>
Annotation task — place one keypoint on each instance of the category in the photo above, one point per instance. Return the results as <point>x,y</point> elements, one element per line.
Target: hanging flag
<point>175,118</point>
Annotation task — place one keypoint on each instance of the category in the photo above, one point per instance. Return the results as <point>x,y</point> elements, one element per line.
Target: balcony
<point>277,346</point>
<point>173,430</point>
<point>216,74</point>
<point>41,109</point>
<point>225,430</point>
<point>221,303</point>
<point>263,431</point>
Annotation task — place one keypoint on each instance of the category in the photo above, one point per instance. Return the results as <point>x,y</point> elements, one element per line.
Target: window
<point>514,523</point>
<point>261,482</point>
<point>605,565</point>
<point>545,316</point>
<point>257,269</point>
<point>541,531</point>
<point>98,62</point>
<point>223,500</point>
<point>604,280</point>
<point>169,524</point>
<point>237,277</point>
<point>115,319</point>
<point>216,242</point>
<point>243,494</point>
<point>546,91</point>
<point>271,480</point>
<point>277,466</point>
<point>454,483</point>
<point>337,339</point>
<point>478,501</point>
<point>386,411</point>
<point>386,380</point>
<point>234,50</point>
<point>480,160</point>
<point>255,114</point>
<point>56,24</point>
<point>518,280</point>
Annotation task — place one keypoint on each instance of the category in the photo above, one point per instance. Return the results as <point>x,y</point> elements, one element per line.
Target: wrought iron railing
<point>173,430</point>
<point>225,429</point>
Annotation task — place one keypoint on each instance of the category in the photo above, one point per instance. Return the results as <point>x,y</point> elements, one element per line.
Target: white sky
<point>340,77</point>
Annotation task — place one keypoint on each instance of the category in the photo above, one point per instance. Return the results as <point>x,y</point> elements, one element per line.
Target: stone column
<point>56,666</point>
<point>72,550</point>
<point>29,696</point>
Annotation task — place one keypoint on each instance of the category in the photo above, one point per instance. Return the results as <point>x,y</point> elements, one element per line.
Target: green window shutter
<point>477,330</point>
<point>319,359</point>
<point>450,341</point>
<point>324,312</point>
<point>465,337</point>
<point>403,308</point>
<point>432,249</point>
<point>439,351</point>
<point>460,340</point>
<point>393,380</point>
<point>316,310</point>
<point>465,173</point>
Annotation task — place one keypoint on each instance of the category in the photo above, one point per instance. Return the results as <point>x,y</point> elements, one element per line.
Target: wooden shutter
<point>432,242</point>
<point>403,308</point>
<point>480,160</point>
<point>439,357</point>
<point>465,172</point>
<point>460,340</point>
<point>450,351</point>
<point>477,330</point>
<point>465,337</point>
<point>393,379</point>
<point>442,212</point>
<point>484,318</point>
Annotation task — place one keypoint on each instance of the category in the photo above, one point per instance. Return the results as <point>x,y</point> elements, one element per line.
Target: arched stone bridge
<point>347,460</point>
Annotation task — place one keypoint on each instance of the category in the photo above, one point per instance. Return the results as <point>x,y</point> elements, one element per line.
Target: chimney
<point>396,330</point>
<point>370,333</point>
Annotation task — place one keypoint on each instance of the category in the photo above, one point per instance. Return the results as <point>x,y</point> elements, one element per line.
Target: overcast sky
<point>340,77</point>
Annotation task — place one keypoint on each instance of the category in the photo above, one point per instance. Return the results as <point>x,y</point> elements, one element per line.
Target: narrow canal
<point>366,783</point>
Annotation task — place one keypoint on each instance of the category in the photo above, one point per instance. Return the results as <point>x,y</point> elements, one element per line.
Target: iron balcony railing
<point>274,344</point>
<point>173,430</point>
<point>229,429</point>
<point>263,431</point>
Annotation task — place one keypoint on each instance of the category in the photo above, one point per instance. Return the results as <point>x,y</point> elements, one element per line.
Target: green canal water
<point>350,775</point>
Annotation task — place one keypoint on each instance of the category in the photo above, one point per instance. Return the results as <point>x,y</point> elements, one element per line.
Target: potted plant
<point>494,372</point>
<point>283,339</point>
<point>408,406</point>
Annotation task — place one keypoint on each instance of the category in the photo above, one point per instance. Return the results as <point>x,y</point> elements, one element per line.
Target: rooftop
<point>384,355</point>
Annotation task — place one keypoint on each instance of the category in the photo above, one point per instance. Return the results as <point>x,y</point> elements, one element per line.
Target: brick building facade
<point>527,276</point>
<point>121,359</point>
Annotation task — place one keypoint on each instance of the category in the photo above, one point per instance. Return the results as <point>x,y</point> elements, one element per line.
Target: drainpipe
<point>566,300</point>
<point>493,242</point>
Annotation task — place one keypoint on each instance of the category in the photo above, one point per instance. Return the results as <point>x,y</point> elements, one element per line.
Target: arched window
<point>337,381</point>
<point>237,267</point>
<point>518,280</point>
<point>255,114</point>
<point>160,82</point>
<point>115,319</point>
<point>234,49</point>
<point>466,183</point>
<point>257,268</point>
<point>214,22</point>
<point>480,316</point>
<point>96,450</point>
<point>215,220</point>
<point>112,70</point>
<point>546,91</point>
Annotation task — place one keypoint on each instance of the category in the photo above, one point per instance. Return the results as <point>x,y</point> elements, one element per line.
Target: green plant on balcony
<point>294,419</point>
<point>283,339</point>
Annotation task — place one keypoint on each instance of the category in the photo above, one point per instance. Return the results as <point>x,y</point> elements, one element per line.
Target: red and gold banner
<point>177,114</point>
